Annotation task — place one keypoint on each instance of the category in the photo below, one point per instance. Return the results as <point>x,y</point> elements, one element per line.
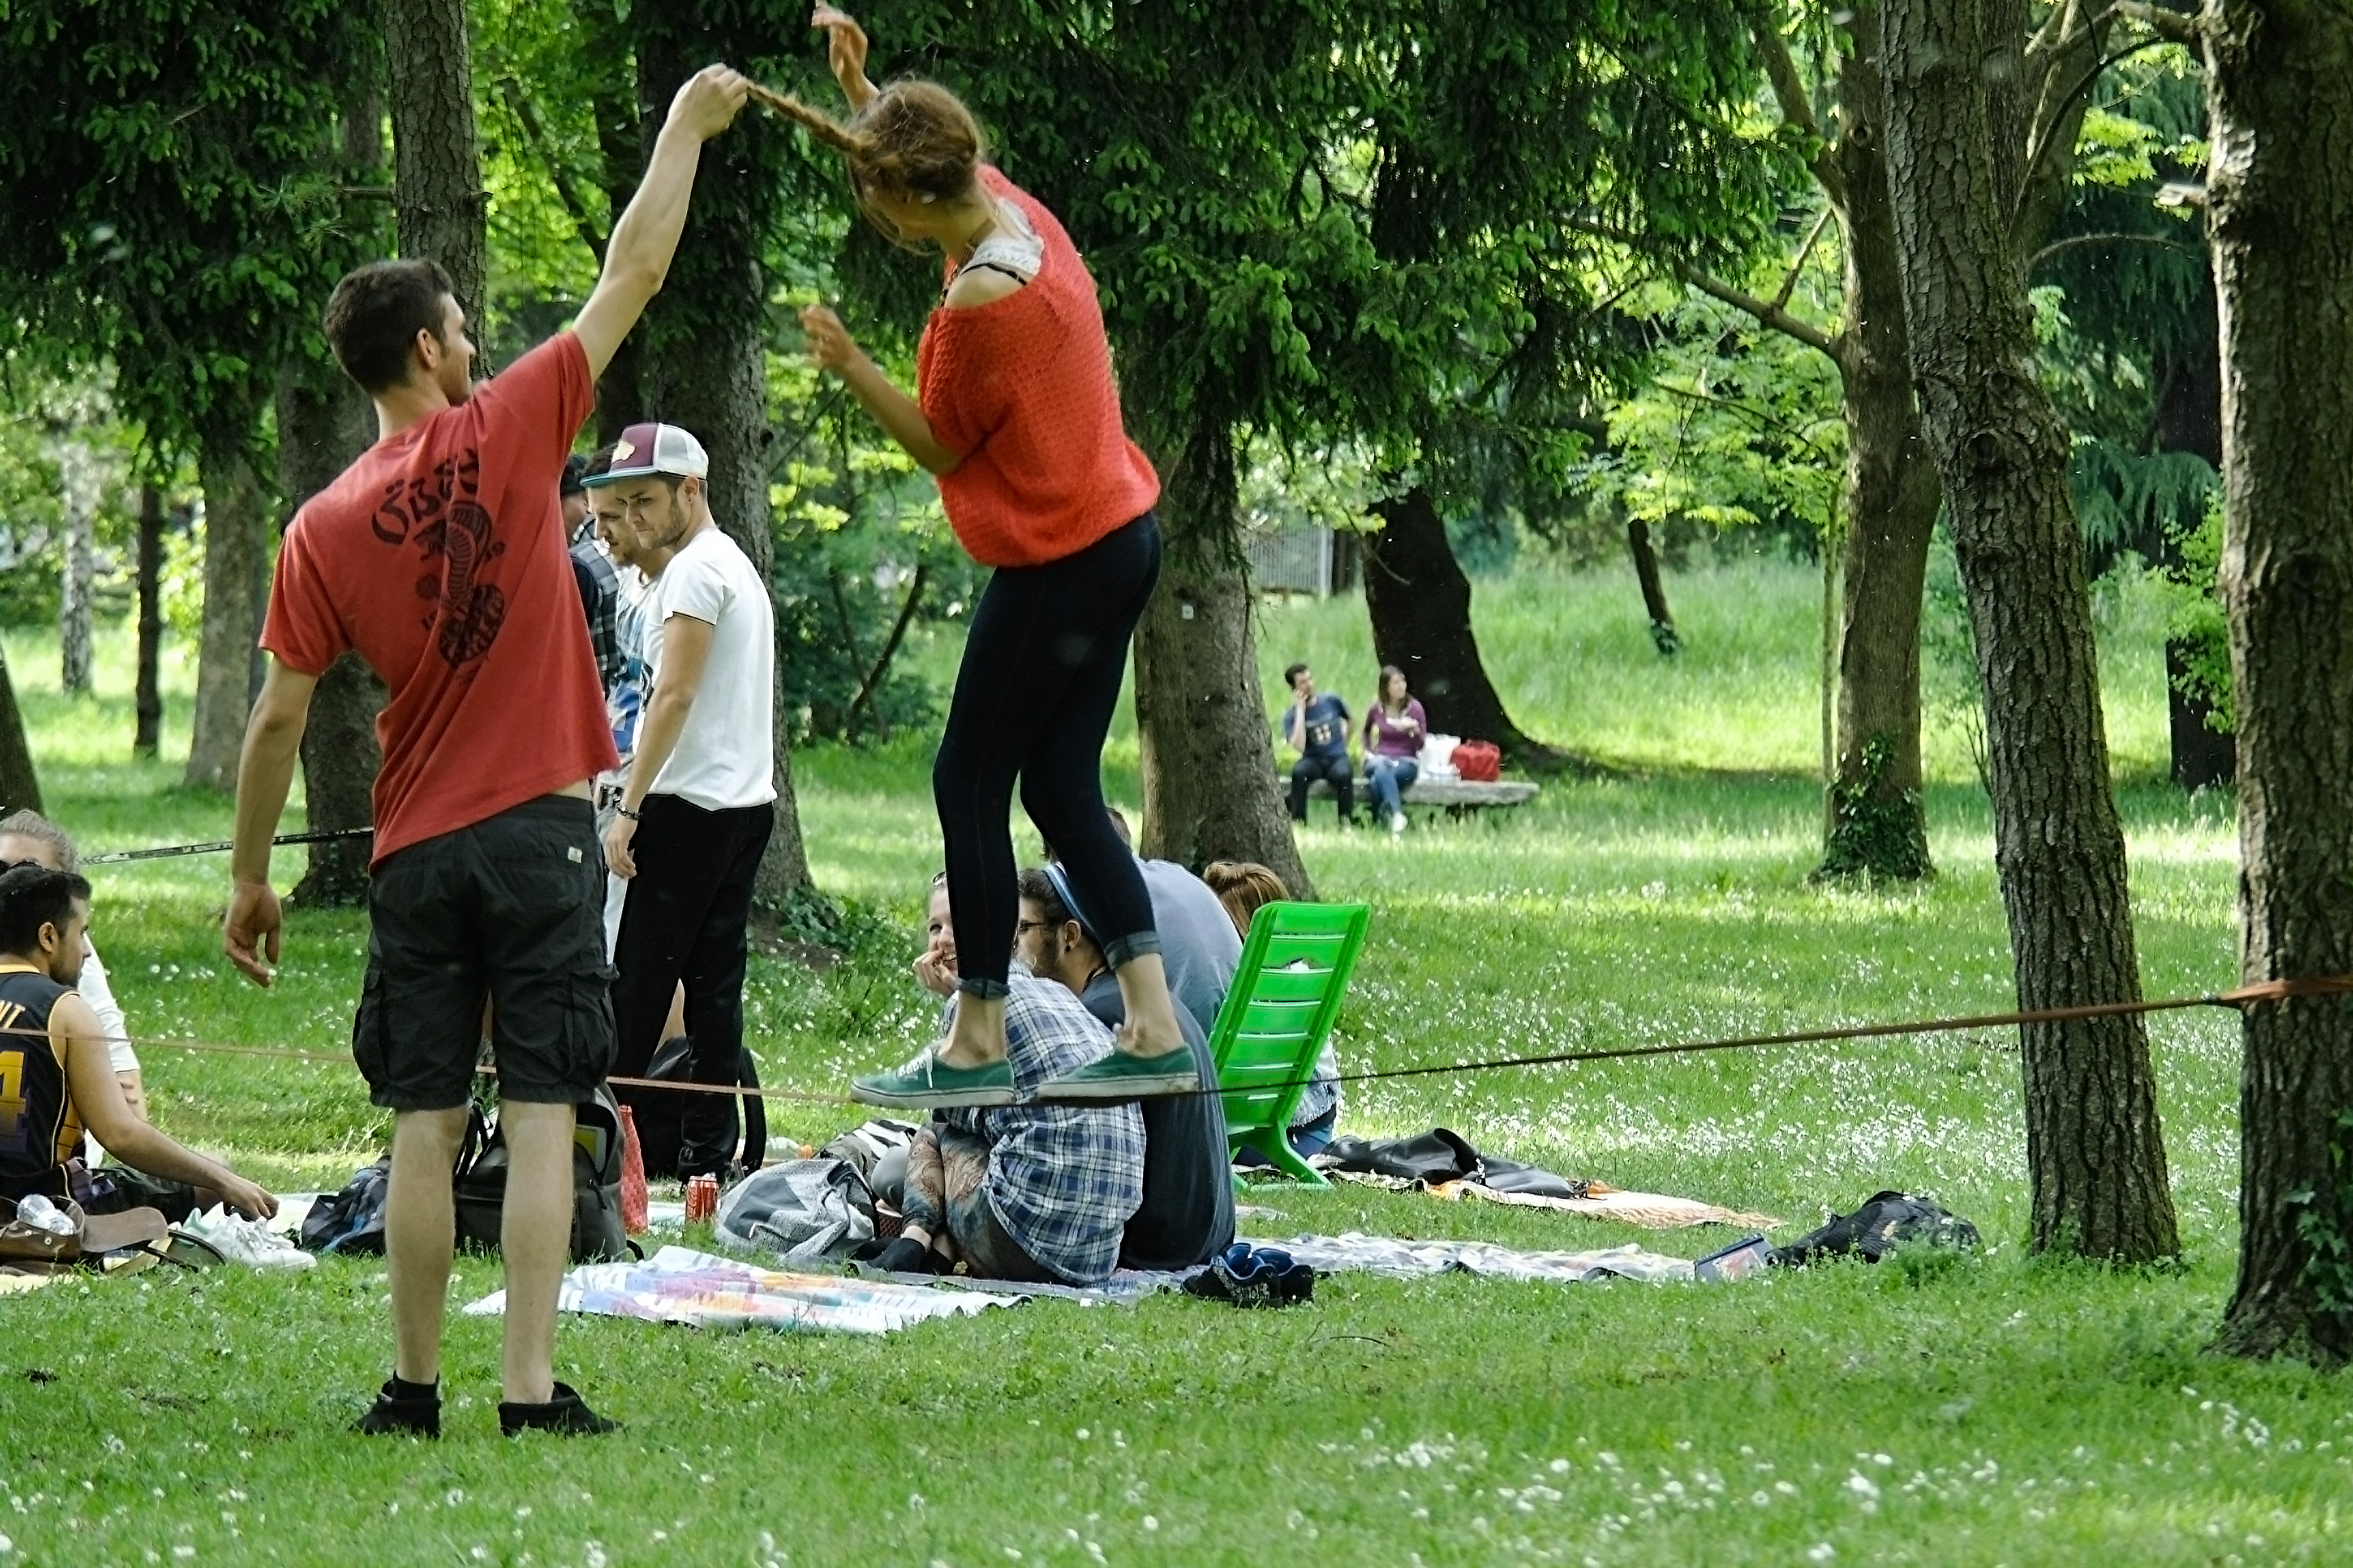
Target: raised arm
<point>638,256</point>
<point>845,53</point>
<point>901,417</point>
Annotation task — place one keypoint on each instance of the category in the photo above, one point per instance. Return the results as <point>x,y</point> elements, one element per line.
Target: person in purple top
<point>1395,728</point>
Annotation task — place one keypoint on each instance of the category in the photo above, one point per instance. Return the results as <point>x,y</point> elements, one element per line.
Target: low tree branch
<point>1797,106</point>
<point>1765,311</point>
<point>1797,265</point>
<point>519,104</point>
<point>882,660</point>
<point>2174,27</point>
<point>2075,241</point>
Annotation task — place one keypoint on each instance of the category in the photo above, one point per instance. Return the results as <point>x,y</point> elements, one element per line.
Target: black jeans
<point>1307,770</point>
<point>685,918</point>
<point>1041,672</point>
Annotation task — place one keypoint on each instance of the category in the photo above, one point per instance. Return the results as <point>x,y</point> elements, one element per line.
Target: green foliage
<point>2328,1264</point>
<point>57,430</point>
<point>2195,617</point>
<point>171,183</point>
<point>1874,832</point>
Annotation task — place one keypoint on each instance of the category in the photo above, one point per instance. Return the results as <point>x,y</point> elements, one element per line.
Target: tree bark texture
<point>20,785</point>
<point>2096,1156</point>
<point>148,698</point>
<point>436,166</point>
<point>83,494</point>
<point>1209,776</point>
<point>236,554</point>
<point>324,422</point>
<point>1420,604</point>
<point>1878,821</point>
<point>2279,80</point>
<point>704,365</point>
<point>621,144</point>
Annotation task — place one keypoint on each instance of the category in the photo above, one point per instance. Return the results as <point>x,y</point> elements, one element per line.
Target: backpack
<point>480,1184</point>
<point>352,1219</point>
<point>1479,762</point>
<point>661,1118</point>
<point>802,1208</point>
<point>1886,1221</point>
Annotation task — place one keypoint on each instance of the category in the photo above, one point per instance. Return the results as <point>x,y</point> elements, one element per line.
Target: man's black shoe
<point>399,1413</point>
<point>567,1414</point>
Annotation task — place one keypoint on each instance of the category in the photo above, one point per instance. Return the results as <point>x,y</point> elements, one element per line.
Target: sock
<point>402,1389</point>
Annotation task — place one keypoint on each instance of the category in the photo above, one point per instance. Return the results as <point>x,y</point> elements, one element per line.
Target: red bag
<point>1479,762</point>
<point>633,1178</point>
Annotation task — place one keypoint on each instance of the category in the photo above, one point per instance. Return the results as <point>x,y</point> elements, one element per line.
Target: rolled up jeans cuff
<point>984,989</point>
<point>1121,951</point>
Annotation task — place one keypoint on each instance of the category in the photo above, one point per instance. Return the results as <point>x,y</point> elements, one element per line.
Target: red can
<point>701,1199</point>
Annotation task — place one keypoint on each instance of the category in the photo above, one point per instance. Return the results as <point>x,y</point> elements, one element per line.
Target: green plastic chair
<point>1295,964</point>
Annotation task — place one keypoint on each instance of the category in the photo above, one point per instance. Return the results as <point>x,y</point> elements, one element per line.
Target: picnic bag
<point>802,1208</point>
<point>351,1220</point>
<point>1479,762</point>
<point>480,1184</point>
<point>1886,1221</point>
<point>28,1248</point>
<point>661,1118</point>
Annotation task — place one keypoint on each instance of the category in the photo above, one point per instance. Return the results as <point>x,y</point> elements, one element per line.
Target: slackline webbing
<point>323,836</point>
<point>2238,1000</point>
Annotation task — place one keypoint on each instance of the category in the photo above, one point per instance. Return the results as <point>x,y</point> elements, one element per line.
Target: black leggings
<point>1042,674</point>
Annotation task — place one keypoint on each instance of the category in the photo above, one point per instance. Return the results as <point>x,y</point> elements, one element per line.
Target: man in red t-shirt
<point>440,557</point>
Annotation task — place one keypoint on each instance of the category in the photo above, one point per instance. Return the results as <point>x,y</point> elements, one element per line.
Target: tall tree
<point>702,349</point>
<point>84,492</point>
<point>147,733</point>
<point>164,209</point>
<point>2096,1157</point>
<point>437,164</point>
<point>2280,81</point>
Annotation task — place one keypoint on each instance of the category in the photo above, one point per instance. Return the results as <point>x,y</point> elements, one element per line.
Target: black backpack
<point>480,1185</point>
<point>661,1118</point>
<point>1885,1222</point>
<point>352,1219</point>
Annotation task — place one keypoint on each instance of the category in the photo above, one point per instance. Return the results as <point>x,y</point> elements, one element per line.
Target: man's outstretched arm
<point>638,256</point>
<point>265,771</point>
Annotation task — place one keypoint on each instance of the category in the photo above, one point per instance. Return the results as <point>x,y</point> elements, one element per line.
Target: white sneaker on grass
<point>246,1241</point>
<point>1396,822</point>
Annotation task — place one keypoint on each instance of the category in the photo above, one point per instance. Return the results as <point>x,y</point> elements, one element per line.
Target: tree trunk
<point>1420,604</point>
<point>2280,86</point>
<point>436,169</point>
<point>324,422</point>
<point>703,366</point>
<point>2096,1155</point>
<point>620,143</point>
<point>1878,821</point>
<point>2190,419</point>
<point>1654,588</point>
<point>148,736</point>
<point>20,787</point>
<point>1210,779</point>
<point>83,494</point>
<point>234,553</point>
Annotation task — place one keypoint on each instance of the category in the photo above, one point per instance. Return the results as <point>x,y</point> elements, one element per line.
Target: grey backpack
<point>804,1209</point>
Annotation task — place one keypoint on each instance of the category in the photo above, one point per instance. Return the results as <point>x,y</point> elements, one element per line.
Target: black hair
<point>1290,677</point>
<point>32,897</point>
<point>375,312</point>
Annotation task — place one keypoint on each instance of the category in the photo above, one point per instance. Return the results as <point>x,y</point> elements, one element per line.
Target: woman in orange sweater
<point>1016,415</point>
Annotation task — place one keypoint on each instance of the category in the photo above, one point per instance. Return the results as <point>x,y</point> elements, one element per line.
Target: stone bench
<point>1453,795</point>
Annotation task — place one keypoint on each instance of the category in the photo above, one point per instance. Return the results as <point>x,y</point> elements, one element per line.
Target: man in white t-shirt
<point>698,804</point>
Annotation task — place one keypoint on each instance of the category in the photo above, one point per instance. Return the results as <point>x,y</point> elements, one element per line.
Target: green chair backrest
<point>1294,967</point>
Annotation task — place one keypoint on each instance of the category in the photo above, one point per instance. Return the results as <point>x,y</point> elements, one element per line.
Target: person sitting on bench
<point>56,1078</point>
<point>1187,1214</point>
<point>1316,725</point>
<point>1037,1193</point>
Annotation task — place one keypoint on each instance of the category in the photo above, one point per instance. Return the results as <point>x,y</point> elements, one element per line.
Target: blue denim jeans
<point>1389,777</point>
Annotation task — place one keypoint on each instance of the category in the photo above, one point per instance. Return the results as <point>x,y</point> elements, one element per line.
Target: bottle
<point>42,1215</point>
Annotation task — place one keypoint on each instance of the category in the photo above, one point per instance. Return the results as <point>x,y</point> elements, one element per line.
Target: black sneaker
<point>567,1414</point>
<point>394,1416</point>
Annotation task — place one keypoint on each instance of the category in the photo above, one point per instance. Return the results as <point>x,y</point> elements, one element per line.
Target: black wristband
<point>625,811</point>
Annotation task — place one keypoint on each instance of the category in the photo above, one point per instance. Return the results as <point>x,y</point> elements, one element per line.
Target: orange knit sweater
<point>1022,387</point>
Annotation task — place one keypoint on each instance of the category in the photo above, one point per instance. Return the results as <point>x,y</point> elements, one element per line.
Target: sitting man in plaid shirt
<point>1040,1194</point>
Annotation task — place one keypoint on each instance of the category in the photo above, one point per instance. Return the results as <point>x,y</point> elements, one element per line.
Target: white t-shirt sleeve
<point>696,584</point>
<point>100,996</point>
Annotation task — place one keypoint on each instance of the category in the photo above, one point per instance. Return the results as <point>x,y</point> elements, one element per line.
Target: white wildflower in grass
<point>1820,1551</point>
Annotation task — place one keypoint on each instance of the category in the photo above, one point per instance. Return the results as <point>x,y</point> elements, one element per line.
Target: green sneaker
<point>1123,1077</point>
<point>928,1081</point>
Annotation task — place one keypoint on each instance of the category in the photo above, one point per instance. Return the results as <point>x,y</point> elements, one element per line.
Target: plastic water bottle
<point>42,1215</point>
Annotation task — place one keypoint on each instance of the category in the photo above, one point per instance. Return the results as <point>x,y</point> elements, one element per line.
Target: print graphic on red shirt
<point>439,558</point>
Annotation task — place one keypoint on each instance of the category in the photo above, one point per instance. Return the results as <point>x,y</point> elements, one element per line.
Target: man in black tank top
<point>56,1078</point>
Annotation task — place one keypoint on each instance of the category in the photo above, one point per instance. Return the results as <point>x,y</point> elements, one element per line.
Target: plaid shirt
<point>1062,1179</point>
<point>604,636</point>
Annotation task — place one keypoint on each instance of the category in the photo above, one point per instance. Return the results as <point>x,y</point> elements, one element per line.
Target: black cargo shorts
<point>510,909</point>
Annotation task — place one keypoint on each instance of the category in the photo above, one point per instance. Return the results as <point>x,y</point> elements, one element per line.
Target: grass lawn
<point>1991,1409</point>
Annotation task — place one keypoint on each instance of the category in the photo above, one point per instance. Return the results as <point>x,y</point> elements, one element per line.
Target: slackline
<point>2238,1000</point>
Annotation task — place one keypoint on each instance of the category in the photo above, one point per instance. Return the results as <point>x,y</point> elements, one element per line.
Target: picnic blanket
<point>679,1285</point>
<point>1445,1164</point>
<point>1652,1211</point>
